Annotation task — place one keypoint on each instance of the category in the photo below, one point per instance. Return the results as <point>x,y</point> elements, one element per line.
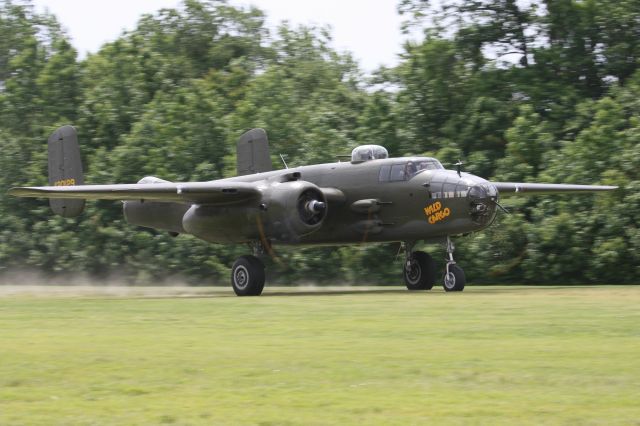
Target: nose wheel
<point>454,278</point>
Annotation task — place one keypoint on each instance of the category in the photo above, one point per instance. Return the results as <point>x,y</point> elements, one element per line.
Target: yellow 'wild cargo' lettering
<point>435,213</point>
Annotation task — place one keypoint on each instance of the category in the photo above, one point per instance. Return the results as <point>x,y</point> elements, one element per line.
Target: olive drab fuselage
<point>371,201</point>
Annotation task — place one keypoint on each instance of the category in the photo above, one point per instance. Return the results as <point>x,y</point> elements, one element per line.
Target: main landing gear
<point>247,276</point>
<point>247,272</point>
<point>419,270</point>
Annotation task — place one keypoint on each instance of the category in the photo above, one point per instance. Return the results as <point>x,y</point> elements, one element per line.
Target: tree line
<point>544,92</point>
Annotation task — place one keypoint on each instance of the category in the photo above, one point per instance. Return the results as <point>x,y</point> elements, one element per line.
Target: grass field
<point>490,355</point>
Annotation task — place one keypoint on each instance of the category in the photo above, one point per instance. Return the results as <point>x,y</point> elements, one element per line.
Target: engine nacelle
<point>291,210</point>
<point>154,214</point>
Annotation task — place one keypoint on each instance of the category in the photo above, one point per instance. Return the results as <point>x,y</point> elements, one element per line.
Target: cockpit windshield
<point>415,167</point>
<point>407,169</point>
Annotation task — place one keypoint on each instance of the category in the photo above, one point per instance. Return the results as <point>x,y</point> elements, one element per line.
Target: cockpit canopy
<point>368,152</point>
<point>406,169</point>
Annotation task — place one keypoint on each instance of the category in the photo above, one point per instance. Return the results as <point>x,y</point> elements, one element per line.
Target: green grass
<point>490,355</point>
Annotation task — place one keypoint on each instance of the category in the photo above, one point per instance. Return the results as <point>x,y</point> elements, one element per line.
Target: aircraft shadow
<point>318,291</point>
<point>332,292</point>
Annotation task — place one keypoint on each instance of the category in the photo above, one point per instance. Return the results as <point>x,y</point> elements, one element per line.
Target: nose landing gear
<point>454,278</point>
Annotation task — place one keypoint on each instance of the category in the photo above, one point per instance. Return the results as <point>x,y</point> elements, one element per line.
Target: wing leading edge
<point>191,192</point>
<point>515,188</point>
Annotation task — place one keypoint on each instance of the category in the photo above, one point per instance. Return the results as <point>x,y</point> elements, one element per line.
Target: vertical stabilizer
<point>253,153</point>
<point>65,169</point>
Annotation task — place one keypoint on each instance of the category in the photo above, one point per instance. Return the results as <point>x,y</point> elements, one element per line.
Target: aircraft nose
<point>483,199</point>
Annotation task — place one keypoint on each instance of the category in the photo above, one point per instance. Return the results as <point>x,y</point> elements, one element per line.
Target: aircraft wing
<point>515,188</point>
<point>188,192</point>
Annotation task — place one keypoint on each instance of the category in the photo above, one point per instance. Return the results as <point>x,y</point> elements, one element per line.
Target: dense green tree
<point>163,53</point>
<point>529,143</point>
<point>378,123</point>
<point>434,87</point>
<point>30,89</point>
<point>520,91</point>
<point>307,97</point>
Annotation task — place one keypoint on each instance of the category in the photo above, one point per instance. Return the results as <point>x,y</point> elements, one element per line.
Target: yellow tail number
<point>65,182</point>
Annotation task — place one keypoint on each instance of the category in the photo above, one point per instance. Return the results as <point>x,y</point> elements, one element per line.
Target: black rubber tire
<point>261,277</point>
<point>456,280</point>
<point>422,275</point>
<point>247,276</point>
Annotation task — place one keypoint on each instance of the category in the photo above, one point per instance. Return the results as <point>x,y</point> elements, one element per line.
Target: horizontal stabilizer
<point>189,192</point>
<point>514,188</point>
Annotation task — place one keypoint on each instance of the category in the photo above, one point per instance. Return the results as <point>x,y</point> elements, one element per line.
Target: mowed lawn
<point>489,355</point>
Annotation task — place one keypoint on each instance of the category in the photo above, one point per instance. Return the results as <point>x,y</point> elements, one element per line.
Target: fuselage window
<point>383,176</point>
<point>449,190</point>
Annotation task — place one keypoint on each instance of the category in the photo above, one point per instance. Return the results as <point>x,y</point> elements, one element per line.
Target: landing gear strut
<point>454,278</point>
<point>419,269</point>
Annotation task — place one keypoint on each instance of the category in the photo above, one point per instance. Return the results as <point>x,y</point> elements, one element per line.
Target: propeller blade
<point>501,208</point>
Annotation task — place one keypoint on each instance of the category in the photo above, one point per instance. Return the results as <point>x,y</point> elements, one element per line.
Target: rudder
<point>65,169</point>
<point>252,152</point>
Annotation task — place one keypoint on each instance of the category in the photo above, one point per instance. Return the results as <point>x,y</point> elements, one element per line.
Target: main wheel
<point>420,273</point>
<point>454,280</point>
<point>247,276</point>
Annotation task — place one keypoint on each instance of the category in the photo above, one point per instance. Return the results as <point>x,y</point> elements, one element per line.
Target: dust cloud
<point>38,284</point>
<point>29,283</point>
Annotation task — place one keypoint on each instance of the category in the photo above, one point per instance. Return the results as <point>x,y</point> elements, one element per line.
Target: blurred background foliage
<point>522,91</point>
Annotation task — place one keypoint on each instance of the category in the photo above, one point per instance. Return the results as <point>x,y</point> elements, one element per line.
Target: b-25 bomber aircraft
<point>372,198</point>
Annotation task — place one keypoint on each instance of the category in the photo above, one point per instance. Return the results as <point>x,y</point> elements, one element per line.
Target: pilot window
<point>397,172</point>
<point>426,165</point>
